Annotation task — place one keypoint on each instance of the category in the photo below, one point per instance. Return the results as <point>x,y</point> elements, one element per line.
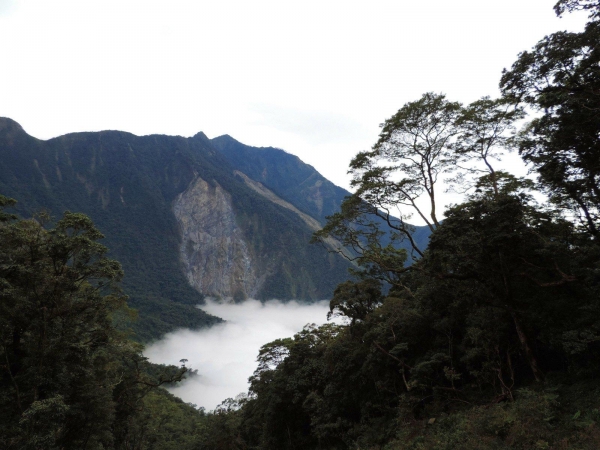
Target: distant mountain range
<point>186,217</point>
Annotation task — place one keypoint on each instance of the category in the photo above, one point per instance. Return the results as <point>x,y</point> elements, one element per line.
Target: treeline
<point>490,338</point>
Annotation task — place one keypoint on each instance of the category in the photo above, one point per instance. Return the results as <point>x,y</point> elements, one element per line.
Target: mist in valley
<point>225,355</point>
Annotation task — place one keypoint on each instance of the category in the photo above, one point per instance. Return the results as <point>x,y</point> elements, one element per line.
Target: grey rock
<point>215,258</point>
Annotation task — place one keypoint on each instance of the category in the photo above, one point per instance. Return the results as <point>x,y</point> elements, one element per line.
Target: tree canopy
<point>560,77</point>
<point>68,378</point>
<point>490,336</point>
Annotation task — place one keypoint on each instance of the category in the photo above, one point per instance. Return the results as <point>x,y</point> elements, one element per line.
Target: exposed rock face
<point>215,257</point>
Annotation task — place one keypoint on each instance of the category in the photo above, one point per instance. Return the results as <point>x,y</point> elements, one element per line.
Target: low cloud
<point>225,354</point>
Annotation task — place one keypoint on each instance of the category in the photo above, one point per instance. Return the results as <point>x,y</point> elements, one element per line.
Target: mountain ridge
<point>129,185</point>
<point>285,174</point>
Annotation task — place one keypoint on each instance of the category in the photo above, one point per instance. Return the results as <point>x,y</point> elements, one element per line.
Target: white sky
<point>315,78</point>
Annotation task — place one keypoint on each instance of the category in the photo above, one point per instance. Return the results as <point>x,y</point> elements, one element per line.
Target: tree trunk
<point>537,373</point>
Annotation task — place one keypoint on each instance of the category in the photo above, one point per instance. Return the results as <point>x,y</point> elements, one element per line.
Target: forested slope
<point>128,186</point>
<point>286,175</point>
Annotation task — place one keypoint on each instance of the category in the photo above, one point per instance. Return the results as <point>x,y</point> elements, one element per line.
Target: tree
<point>413,150</point>
<point>275,417</point>
<point>486,128</point>
<point>414,144</point>
<point>355,300</point>
<point>518,260</point>
<point>6,202</point>
<point>578,5</point>
<point>560,78</point>
<point>422,141</point>
<point>58,291</point>
<point>68,377</point>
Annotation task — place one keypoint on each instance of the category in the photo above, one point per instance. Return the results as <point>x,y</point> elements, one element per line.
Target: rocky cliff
<point>215,258</point>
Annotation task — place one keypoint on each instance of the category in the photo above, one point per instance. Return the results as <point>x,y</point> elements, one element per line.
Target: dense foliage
<point>490,339</point>
<point>68,377</point>
<point>561,78</point>
<point>490,334</point>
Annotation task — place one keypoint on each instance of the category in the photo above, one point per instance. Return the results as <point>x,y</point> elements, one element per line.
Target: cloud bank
<point>225,355</point>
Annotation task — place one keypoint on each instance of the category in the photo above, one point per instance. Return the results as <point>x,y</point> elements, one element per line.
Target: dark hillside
<point>127,185</point>
<point>286,175</point>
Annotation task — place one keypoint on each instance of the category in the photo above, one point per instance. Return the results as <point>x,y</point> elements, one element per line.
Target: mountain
<point>286,175</point>
<point>186,217</point>
<point>297,182</point>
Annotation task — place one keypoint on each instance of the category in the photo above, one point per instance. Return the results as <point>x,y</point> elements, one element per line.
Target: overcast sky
<point>315,78</point>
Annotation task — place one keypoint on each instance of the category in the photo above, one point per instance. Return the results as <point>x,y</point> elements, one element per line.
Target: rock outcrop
<point>215,257</point>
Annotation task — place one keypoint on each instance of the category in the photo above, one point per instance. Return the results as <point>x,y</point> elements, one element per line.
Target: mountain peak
<point>200,135</point>
<point>7,124</point>
<point>225,138</point>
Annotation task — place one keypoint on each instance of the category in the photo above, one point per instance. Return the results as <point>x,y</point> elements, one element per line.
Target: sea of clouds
<point>225,354</point>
